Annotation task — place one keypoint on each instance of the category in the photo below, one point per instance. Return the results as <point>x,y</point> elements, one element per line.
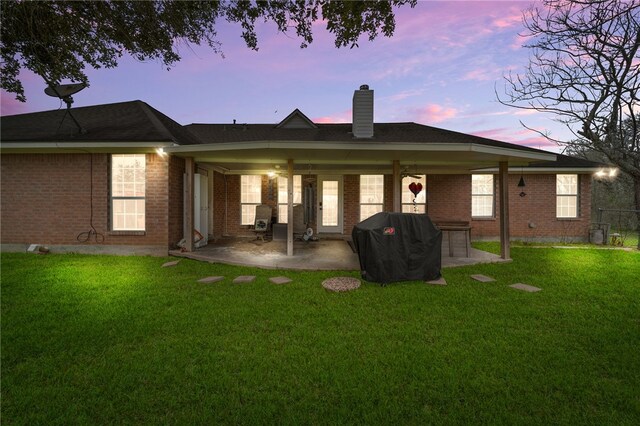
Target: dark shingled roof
<point>383,133</point>
<point>133,121</point>
<point>569,162</point>
<point>136,121</point>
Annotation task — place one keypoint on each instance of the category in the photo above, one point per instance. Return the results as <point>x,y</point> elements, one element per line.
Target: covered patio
<point>321,255</point>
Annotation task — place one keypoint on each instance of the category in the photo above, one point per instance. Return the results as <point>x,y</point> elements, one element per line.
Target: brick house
<point>128,179</point>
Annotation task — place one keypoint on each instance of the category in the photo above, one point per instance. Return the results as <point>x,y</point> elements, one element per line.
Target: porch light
<point>161,152</point>
<point>613,172</point>
<point>600,173</point>
<point>521,183</point>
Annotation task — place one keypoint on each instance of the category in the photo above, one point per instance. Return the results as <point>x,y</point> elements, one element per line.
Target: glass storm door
<point>330,204</point>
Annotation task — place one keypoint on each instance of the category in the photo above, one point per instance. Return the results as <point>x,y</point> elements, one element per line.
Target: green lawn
<point>119,340</point>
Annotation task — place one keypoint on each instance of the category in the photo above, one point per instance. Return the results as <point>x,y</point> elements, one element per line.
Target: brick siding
<point>46,199</point>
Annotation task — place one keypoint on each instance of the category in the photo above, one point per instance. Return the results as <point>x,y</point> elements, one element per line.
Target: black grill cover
<point>398,247</point>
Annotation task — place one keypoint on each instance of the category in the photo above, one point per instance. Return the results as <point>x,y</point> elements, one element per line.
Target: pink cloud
<point>432,113</point>
<point>341,117</point>
<point>508,21</point>
<point>11,106</point>
<point>522,137</point>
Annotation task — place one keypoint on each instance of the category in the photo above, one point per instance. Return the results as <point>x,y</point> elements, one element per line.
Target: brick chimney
<point>363,112</point>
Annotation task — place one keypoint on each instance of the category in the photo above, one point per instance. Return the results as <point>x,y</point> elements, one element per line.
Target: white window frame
<point>478,195</point>
<point>283,195</point>
<point>407,195</point>
<point>247,204</point>
<point>118,196</point>
<point>371,199</point>
<point>561,195</point>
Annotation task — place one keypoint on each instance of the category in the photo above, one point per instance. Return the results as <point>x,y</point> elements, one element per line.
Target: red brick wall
<point>449,197</point>
<point>176,199</point>
<point>534,215</point>
<point>351,202</point>
<point>46,199</point>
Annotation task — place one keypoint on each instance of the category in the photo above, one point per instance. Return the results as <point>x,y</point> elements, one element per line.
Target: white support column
<point>505,245</point>
<point>397,190</point>
<point>290,207</point>
<point>188,209</point>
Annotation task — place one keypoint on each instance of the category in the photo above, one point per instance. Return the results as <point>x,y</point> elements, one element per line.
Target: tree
<point>584,68</point>
<point>58,39</point>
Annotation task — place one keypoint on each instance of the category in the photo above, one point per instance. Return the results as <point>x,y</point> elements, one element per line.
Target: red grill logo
<point>389,231</point>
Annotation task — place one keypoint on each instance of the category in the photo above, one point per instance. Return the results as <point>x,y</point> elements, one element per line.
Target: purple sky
<point>440,69</point>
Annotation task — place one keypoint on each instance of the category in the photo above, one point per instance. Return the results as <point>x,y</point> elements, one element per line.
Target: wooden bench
<point>456,226</point>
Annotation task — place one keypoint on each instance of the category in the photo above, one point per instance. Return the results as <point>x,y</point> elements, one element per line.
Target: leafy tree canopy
<point>58,39</point>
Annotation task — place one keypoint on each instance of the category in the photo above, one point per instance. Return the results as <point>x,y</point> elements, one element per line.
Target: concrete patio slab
<point>439,281</point>
<point>280,280</point>
<point>213,279</point>
<point>323,255</point>
<point>244,279</point>
<point>525,287</point>
<point>482,278</point>
<point>169,264</point>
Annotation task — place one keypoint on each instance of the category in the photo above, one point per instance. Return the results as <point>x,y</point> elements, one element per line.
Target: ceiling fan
<point>405,173</point>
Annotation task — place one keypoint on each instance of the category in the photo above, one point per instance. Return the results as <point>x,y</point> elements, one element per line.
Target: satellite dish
<point>63,91</point>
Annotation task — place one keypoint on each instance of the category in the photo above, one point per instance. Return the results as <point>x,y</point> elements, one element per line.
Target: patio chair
<point>262,223</point>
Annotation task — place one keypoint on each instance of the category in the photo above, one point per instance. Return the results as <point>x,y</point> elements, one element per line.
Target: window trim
<point>576,196</point>
<point>492,195</point>
<point>360,203</point>
<point>112,230</point>
<point>249,204</point>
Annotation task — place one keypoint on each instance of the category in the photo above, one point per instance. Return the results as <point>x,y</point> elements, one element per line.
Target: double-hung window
<point>482,196</point>
<point>128,192</point>
<point>566,196</point>
<point>371,195</point>
<point>250,197</point>
<point>283,196</point>
<point>408,205</point>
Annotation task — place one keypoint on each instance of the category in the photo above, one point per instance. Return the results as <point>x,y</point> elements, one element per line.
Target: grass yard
<point>119,340</point>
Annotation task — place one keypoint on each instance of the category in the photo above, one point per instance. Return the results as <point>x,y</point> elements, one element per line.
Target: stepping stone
<point>482,278</point>
<point>341,284</point>
<point>211,279</point>
<point>525,287</point>
<point>172,263</point>
<point>243,279</point>
<point>280,280</point>
<point>439,281</point>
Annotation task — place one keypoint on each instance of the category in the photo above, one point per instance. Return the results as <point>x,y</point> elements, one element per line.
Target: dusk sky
<point>440,69</point>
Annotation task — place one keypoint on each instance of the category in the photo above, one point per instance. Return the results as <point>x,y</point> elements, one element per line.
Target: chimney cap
<point>364,87</point>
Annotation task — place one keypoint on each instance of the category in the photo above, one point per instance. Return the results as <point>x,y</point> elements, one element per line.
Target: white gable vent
<point>363,112</point>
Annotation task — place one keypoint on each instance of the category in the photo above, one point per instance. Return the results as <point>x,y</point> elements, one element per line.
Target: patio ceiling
<point>240,157</point>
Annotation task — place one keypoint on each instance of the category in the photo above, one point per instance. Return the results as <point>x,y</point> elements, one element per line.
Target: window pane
<point>329,203</point>
<point>567,206</point>
<point>283,195</point>
<point>482,184</point>
<point>407,195</point>
<point>371,189</point>
<point>128,215</point>
<point>482,206</point>
<point>409,208</point>
<point>368,210</point>
<point>567,184</point>
<point>283,213</point>
<point>128,175</point>
<point>248,213</point>
<point>251,189</point>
